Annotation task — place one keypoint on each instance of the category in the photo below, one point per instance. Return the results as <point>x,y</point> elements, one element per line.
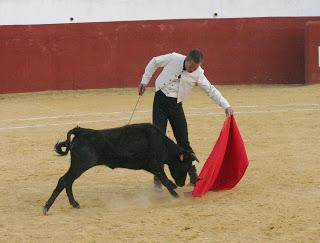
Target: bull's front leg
<point>166,182</point>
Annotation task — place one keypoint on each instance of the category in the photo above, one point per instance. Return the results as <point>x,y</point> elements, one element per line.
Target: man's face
<point>191,66</point>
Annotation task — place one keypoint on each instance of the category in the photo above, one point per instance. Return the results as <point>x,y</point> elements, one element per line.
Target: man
<point>180,73</point>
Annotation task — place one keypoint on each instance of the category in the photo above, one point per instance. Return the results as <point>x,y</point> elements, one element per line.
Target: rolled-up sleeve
<point>156,62</point>
<point>212,92</point>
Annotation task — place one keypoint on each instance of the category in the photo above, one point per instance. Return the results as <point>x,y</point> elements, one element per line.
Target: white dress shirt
<point>171,88</point>
<point>172,68</point>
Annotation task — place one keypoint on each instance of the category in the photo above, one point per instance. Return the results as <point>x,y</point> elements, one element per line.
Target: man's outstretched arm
<point>215,94</point>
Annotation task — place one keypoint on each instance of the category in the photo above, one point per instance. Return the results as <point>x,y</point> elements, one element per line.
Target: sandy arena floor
<point>278,200</point>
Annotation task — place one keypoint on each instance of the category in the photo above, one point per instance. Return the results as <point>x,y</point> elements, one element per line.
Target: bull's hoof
<point>174,194</point>
<point>174,186</point>
<point>45,210</point>
<point>75,205</point>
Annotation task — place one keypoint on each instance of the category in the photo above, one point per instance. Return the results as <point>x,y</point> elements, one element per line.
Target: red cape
<point>227,162</point>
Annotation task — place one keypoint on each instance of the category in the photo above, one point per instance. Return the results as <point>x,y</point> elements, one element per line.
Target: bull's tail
<point>59,145</point>
<point>67,143</point>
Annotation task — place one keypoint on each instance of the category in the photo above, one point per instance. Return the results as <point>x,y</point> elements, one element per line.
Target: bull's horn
<point>196,159</point>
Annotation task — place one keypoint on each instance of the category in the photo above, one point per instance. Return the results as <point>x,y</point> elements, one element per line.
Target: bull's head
<point>180,165</point>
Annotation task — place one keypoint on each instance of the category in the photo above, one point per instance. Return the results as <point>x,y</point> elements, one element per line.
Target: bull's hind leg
<point>79,164</point>
<point>76,170</point>
<point>60,186</point>
<point>66,182</point>
<point>69,192</point>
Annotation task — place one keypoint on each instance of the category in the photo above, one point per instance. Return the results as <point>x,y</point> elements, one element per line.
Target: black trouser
<point>167,109</point>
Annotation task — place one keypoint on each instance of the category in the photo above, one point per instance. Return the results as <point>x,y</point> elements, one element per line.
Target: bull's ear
<point>181,157</point>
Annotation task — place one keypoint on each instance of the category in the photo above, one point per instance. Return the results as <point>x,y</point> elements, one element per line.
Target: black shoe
<point>193,175</point>
<point>193,178</point>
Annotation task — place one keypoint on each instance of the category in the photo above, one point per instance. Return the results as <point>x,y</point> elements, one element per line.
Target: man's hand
<point>228,111</point>
<point>141,89</point>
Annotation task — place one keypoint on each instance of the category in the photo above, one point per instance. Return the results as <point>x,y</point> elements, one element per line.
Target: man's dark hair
<point>196,56</point>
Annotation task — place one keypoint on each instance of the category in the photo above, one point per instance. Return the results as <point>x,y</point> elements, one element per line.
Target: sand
<point>278,199</point>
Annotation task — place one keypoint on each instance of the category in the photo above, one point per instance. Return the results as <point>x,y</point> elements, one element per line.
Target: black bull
<point>137,147</point>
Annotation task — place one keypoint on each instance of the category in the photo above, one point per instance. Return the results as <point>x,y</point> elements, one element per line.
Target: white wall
<point>267,8</point>
<point>60,11</point>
